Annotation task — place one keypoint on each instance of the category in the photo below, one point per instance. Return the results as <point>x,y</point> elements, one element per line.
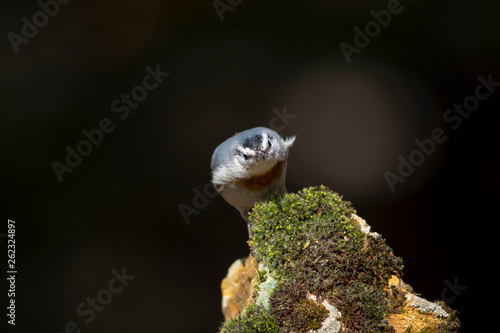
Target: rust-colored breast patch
<point>261,181</point>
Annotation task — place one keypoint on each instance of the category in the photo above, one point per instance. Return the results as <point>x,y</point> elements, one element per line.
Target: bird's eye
<point>245,156</point>
<point>269,143</point>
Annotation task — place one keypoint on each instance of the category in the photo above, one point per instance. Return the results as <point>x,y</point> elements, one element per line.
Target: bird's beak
<point>261,156</point>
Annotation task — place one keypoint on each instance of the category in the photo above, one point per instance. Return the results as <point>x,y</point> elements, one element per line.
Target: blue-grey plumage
<point>250,166</point>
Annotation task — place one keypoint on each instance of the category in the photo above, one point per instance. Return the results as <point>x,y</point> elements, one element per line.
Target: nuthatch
<point>250,166</point>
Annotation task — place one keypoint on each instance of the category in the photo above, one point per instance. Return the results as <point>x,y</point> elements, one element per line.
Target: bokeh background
<point>119,207</point>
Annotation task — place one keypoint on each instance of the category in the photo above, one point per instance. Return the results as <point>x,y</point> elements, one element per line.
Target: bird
<point>250,166</point>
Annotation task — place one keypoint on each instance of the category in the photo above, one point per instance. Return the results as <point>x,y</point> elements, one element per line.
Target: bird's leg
<point>244,214</point>
<point>249,230</point>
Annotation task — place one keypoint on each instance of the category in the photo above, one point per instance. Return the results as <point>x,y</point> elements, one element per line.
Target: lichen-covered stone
<point>313,243</point>
<point>266,287</point>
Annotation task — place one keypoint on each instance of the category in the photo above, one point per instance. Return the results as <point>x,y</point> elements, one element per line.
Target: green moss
<point>282,226</point>
<point>255,319</point>
<point>311,239</point>
<point>262,275</point>
<point>364,308</point>
<point>292,309</point>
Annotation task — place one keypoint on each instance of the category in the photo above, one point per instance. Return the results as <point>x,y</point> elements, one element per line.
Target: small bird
<point>250,166</point>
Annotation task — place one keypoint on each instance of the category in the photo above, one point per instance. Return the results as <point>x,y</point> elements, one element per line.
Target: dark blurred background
<point>119,207</point>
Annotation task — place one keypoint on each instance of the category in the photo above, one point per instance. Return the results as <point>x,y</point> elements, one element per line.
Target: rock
<point>417,314</point>
<point>315,266</point>
<point>236,286</point>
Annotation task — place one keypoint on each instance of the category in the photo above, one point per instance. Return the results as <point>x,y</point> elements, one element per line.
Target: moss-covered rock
<point>327,264</point>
